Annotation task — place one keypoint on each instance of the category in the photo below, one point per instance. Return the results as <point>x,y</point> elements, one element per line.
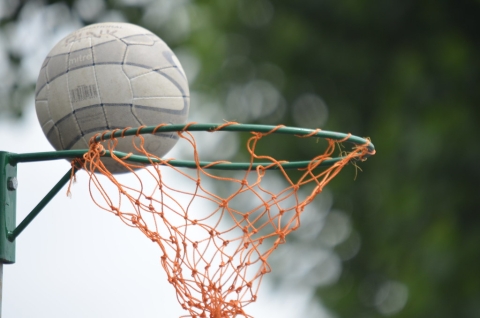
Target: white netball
<point>107,76</point>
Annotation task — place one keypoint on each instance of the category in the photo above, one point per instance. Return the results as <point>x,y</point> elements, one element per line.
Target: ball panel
<point>53,136</point>
<point>119,30</point>
<point>176,62</point>
<point>43,113</point>
<point>132,71</point>
<point>57,66</point>
<point>102,32</point>
<point>160,144</point>
<point>42,95</point>
<point>40,92</point>
<point>96,34</point>
<point>99,37</point>
<point>147,57</point>
<point>82,87</point>
<point>121,116</point>
<point>69,130</point>
<point>47,126</point>
<point>113,84</point>
<point>110,52</point>
<point>91,118</point>
<point>80,58</point>
<point>81,142</point>
<point>175,76</point>
<point>58,98</point>
<point>154,84</point>
<point>168,105</point>
<point>150,115</point>
<point>146,39</point>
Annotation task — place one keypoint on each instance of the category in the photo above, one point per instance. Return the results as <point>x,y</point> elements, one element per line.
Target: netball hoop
<point>215,232</point>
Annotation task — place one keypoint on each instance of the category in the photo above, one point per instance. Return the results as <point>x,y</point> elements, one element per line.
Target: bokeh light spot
<point>256,100</point>
<point>255,13</point>
<point>309,111</point>
<point>391,297</point>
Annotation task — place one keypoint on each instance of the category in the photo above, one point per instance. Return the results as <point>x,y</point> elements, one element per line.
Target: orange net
<point>215,233</point>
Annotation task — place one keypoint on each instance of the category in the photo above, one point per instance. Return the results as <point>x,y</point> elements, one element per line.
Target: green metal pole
<point>8,199</point>
<point>8,196</point>
<point>1,288</point>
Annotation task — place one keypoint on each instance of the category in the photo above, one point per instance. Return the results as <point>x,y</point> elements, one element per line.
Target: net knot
<point>280,239</point>
<point>257,135</point>
<point>123,131</point>
<point>76,164</point>
<point>134,219</point>
<point>155,237</point>
<point>264,270</point>
<point>313,133</point>
<point>157,128</point>
<point>102,136</point>
<point>139,130</point>
<point>220,127</point>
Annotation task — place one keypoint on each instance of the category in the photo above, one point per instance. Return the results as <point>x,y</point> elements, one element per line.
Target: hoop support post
<point>8,201</point>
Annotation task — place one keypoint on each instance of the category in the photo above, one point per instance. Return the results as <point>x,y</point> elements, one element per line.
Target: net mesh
<point>215,233</point>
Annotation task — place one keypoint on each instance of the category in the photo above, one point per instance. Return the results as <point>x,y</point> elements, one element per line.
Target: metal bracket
<point>8,202</point>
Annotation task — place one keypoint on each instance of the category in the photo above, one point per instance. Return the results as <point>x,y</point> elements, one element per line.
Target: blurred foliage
<point>404,72</point>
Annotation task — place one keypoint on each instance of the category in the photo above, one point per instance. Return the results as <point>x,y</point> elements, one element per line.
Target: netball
<point>110,76</point>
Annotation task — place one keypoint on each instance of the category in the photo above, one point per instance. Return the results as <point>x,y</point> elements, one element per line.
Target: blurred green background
<point>403,239</point>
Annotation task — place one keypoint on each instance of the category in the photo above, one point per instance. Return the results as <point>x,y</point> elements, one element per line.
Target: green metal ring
<point>66,154</point>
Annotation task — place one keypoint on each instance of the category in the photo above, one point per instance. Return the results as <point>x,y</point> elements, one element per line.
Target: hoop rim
<point>209,127</point>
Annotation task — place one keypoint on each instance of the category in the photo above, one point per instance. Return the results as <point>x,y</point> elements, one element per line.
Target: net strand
<point>214,244</point>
